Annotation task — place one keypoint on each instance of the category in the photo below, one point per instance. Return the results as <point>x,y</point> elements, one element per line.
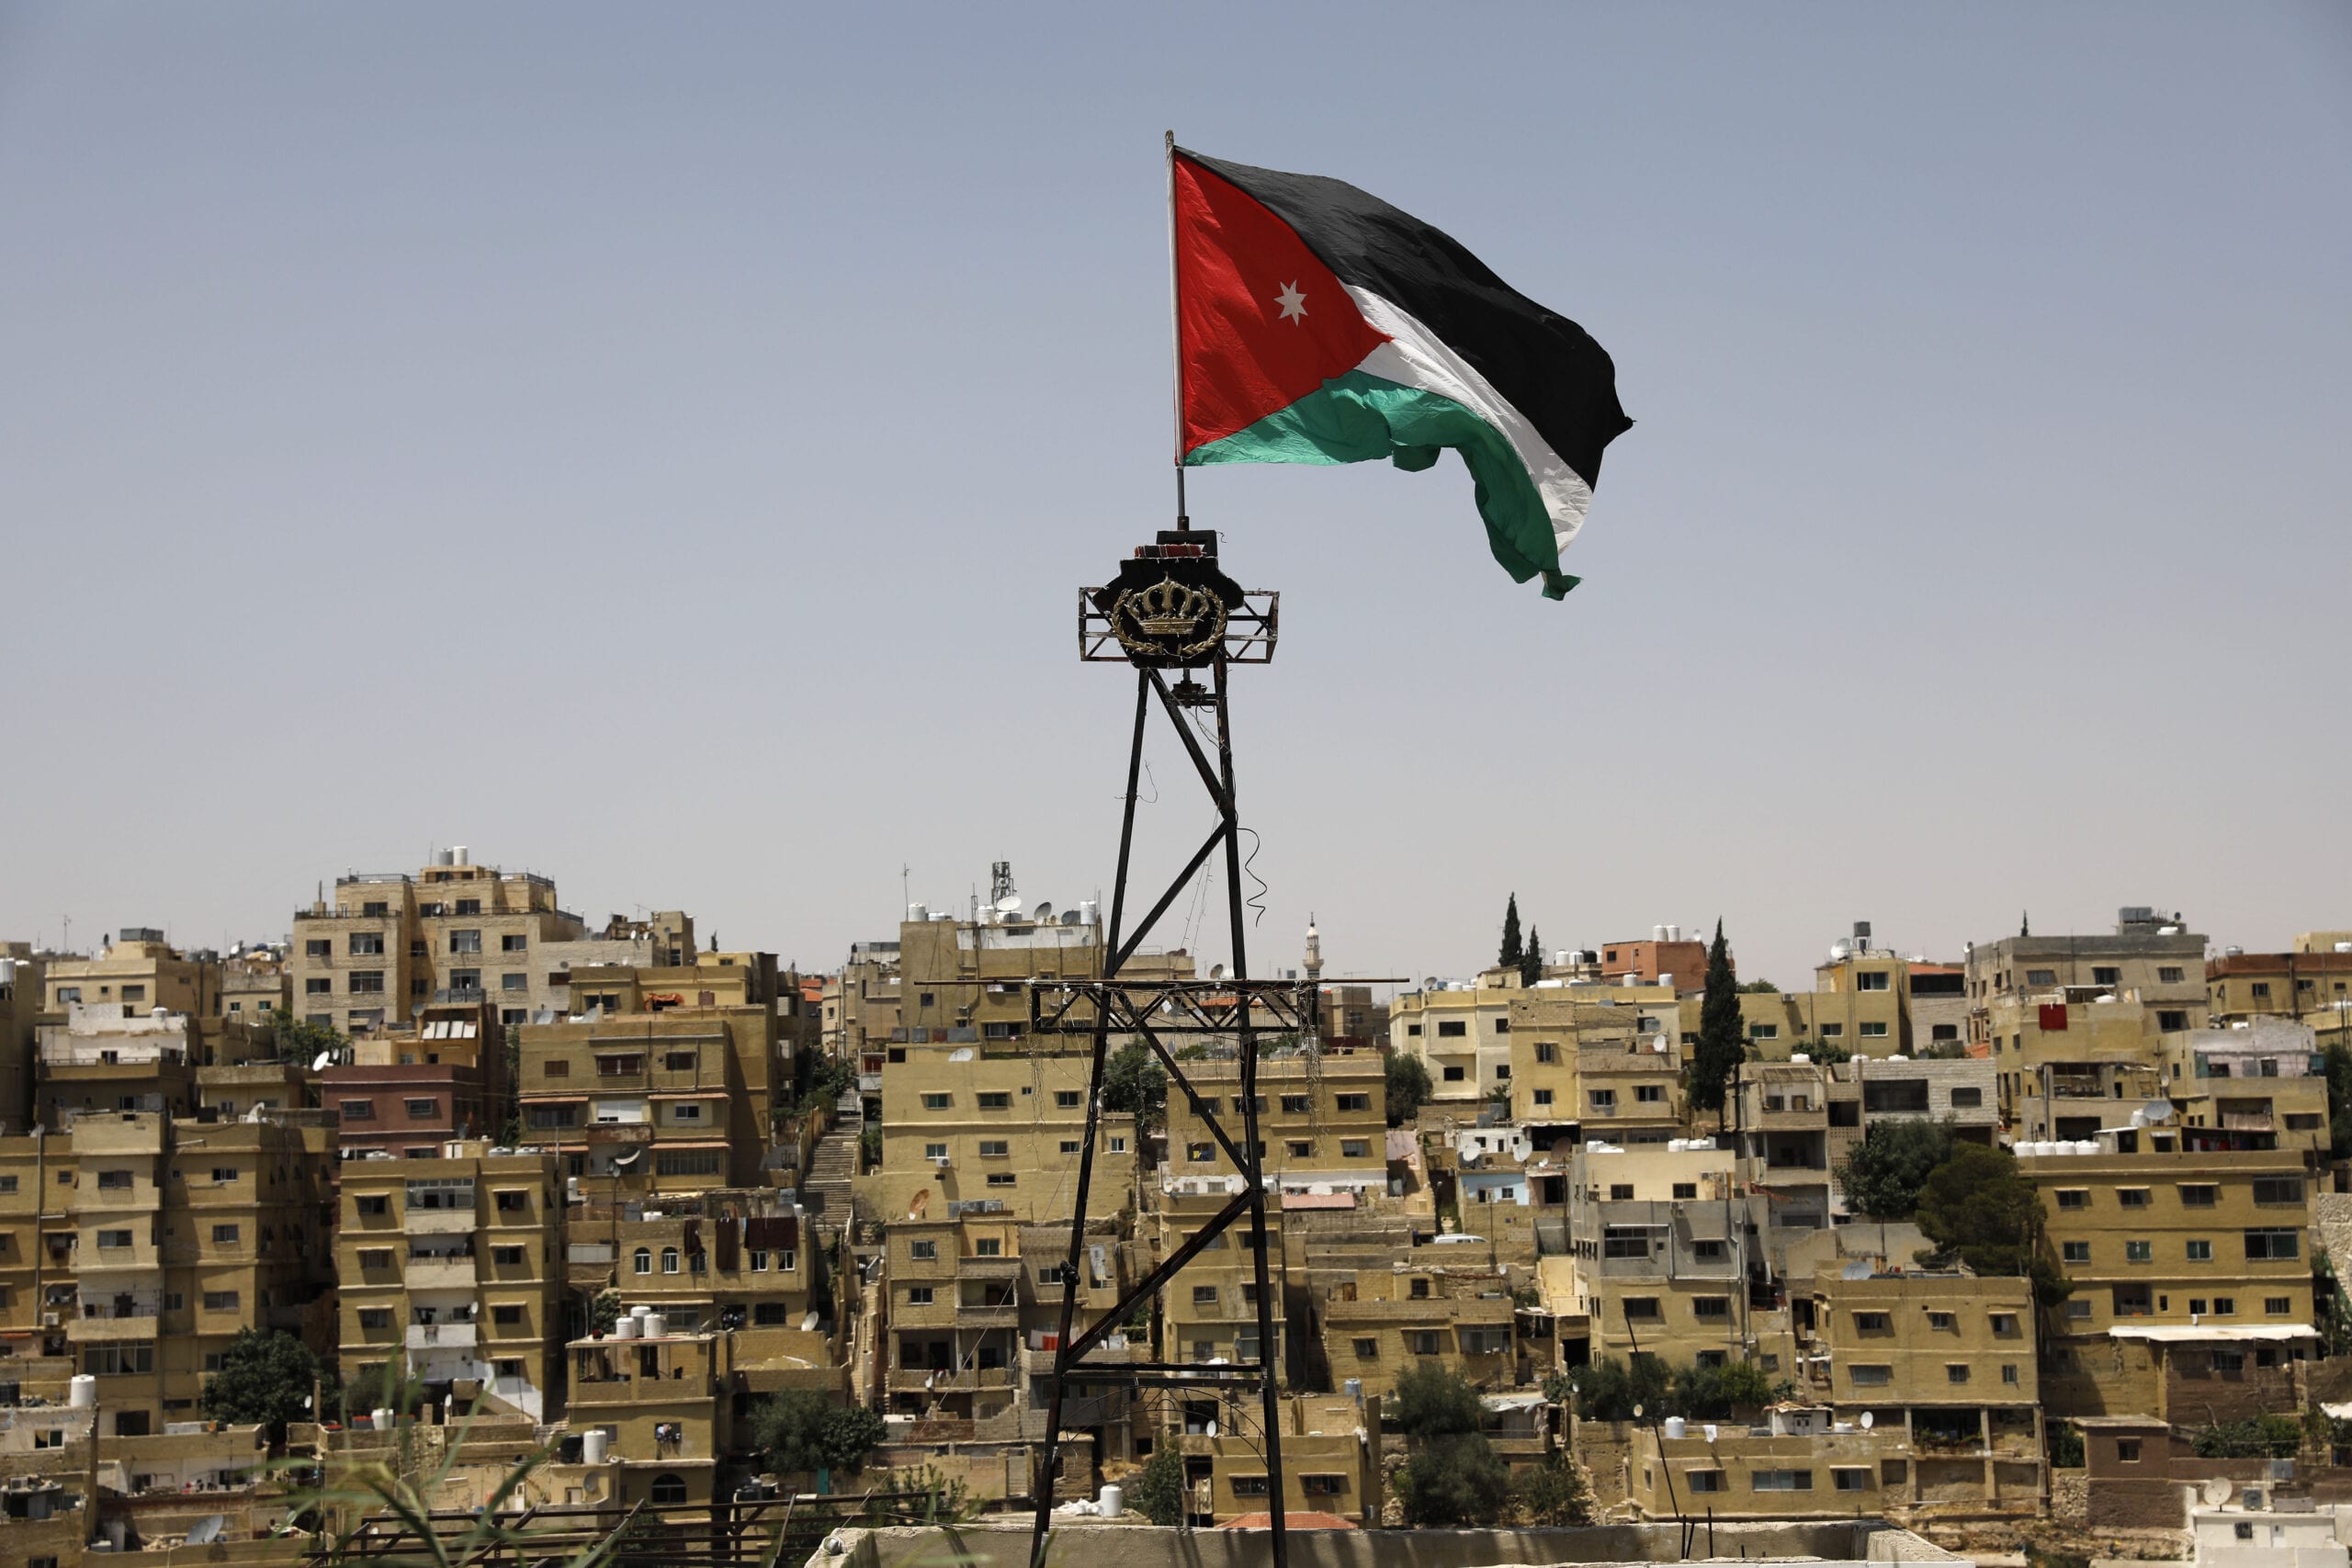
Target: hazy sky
<point>661,447</point>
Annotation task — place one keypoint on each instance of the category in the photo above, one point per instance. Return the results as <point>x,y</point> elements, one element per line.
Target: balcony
<point>440,1273</point>
<point>993,1313</point>
<point>106,1330</point>
<point>869,1083</point>
<point>441,1222</point>
<point>441,1336</point>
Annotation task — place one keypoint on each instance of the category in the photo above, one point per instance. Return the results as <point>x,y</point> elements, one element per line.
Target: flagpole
<point>1176,336</point>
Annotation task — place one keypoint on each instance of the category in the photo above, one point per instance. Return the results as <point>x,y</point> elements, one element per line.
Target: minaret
<point>1314,953</point>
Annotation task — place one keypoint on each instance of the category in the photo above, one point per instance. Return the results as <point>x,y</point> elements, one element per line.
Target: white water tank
<point>1800,1058</point>
<point>1658,933</point>
<point>380,1418</point>
<point>2087,1145</point>
<point>918,913</point>
<point>1677,1427</point>
<point>625,1327</point>
<point>82,1393</point>
<point>1674,934</point>
<point>461,855</point>
<point>1111,1502</point>
<point>655,1327</point>
<point>594,1444</point>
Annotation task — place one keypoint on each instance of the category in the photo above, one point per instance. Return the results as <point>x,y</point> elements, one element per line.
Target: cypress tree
<point>1721,1048</point>
<point>1531,964</point>
<point>1514,953</point>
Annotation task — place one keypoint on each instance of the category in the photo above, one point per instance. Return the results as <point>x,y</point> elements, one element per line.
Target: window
<point>1452,1029</point>
<point>2005,1325</point>
<point>224,1235</point>
<point>2199,1306</point>
<point>935,1151</point>
<point>2200,1252</point>
<point>465,942</point>
<point>2126,1450</point>
<point>2106,974</point>
<point>113,1181</point>
<point>1848,1478</point>
<point>1781,1480</point>
<point>1069,1145</point>
<point>1119,1144</point>
<point>2225,1307</point>
<point>669,1260</point>
<point>2278,1306</point>
<point>1000,1179</point>
<point>2042,976</point>
<point>220,1301</point>
<point>507,1317</point>
<point>1452,1074</point>
<point>687,1162</point>
<point>506,1257</point>
<point>2132,1197</point>
<point>2168,974</point>
<point>2260,989</point>
<point>1354,1149</point>
<point>1546,1054</point>
<point>465,979</point>
<point>923,1251</point>
<point>513,1201</point>
<point>1621,1192</point>
<point>2074,1196</point>
<point>1353,1102</point>
<point>938,1101</point>
<point>1705,1479</point>
<point>643,1261</point>
<point>1423,1342</point>
<point>1863,1376</point>
<point>2077,1309</point>
<point>2171,1020</point>
<point>1872,1323</point>
<point>1872,1028</point>
<point>667,1491</point>
<point>424,1110</point>
<point>1205,1295</point>
<point>1299,1148</point>
<point>1649,1093</point>
<point>1542,1097</point>
<point>2274,1246</point>
<point>988,1247</point>
<point>996,1101</point>
<point>1710,1309</point>
<point>2075,1252</point>
<point>1967,1099</point>
<point>1297,1105</point>
<point>995,1148</point>
<point>315,948</point>
<point>1871,980</point>
<point>1956,1371</point>
<point>1602,1099</point>
<point>1367,1350</point>
<point>318,986</point>
<point>1066,1099</point>
<point>377,1205</point>
<point>116,1360</point>
<point>1640,1308</point>
<point>1249,1486</point>
<point>1944,1323</point>
<point>919,1296</point>
<point>1763,1031</point>
<point>2198,1194</point>
<point>1686,1191</point>
<point>2278,1190</point>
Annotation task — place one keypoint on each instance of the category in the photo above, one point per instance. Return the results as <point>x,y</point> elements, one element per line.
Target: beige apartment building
<point>740,1261</point>
<point>137,973</point>
<point>1860,1003</point>
<point>1426,1309</point>
<point>664,1400</point>
<point>452,1274</point>
<point>1946,1358</point>
<point>2151,1234</point>
<point>997,1120</point>
<point>960,978</point>
<point>386,943</point>
<point>253,987</point>
<point>1322,1120</point>
<point>2151,959</point>
<point>1330,1458</point>
<point>2259,1082</point>
<point>1623,1038</point>
<point>1461,1031</point>
<point>2312,985</point>
<point>642,1102</point>
<point>1663,1239</point>
<point>954,1317</point>
<point>1211,1309</point>
<point>181,1234</point>
<point>37,1174</point>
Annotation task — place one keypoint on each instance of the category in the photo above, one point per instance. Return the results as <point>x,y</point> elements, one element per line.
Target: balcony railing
<point>440,1222</point>
<point>429,1273</point>
<point>441,1336</point>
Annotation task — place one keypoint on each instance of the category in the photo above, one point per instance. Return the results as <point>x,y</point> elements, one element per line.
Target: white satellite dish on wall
<point>1869,1420</point>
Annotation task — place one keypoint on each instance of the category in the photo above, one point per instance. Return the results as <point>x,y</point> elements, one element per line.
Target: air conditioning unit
<point>52,1319</point>
<point>942,1161</point>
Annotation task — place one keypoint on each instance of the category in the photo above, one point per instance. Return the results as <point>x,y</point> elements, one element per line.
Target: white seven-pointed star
<point>1293,302</point>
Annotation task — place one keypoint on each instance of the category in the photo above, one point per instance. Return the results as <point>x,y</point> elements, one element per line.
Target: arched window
<point>669,1260</point>
<point>644,1260</point>
<point>669,1488</point>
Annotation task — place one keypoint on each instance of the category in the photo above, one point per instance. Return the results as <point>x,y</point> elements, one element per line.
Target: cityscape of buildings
<point>612,1192</point>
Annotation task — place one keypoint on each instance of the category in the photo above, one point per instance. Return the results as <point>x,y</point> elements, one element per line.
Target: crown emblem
<point>1168,617</point>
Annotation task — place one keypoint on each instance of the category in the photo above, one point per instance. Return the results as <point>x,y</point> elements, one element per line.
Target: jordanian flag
<point>1318,324</point>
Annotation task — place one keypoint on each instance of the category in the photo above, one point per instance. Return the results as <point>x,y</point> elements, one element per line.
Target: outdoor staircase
<point>825,1191</point>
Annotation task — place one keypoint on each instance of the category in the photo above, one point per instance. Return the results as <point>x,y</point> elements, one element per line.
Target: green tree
<point>1531,963</point>
<point>1453,1480</point>
<point>1406,1080</point>
<point>1710,1393</point>
<point>2337,1060</point>
<point>1431,1402</point>
<point>299,1037</point>
<point>1882,1174</point>
<point>802,1430</point>
<point>2256,1437</point>
<point>1761,987</point>
<point>1607,1389</point>
<point>1721,1047</point>
<point>2065,1446</point>
<point>604,1311</point>
<point>1134,1083</point>
<point>265,1377</point>
<point>1824,1052</point>
<point>1976,1207</point>
<point>1158,1492</point>
<point>1553,1493</point>
<point>1514,951</point>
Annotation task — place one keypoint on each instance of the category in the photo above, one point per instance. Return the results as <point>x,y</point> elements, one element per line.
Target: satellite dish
<point>1009,905</point>
<point>1216,971</point>
<point>320,1062</point>
<point>2217,1491</point>
<point>1869,1420</point>
<point>1045,911</point>
<point>2156,1112</point>
<point>1637,1412</point>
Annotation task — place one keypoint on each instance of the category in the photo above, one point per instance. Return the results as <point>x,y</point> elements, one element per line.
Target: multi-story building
<point>733,1260</point>
<point>36,1235</point>
<point>1622,1038</point>
<point>1322,1120</point>
<point>2258,1083</point>
<point>1782,1116</point>
<point>664,1400</point>
<point>1959,1092</point>
<point>1330,1458</point>
<point>22,998</point>
<point>2311,985</point>
<point>1947,1360</point>
<point>452,1273</point>
<point>408,1091</point>
<point>1667,959</point>
<point>663,939</point>
<point>137,973</point>
<point>671,1101</point>
<point>954,1315</point>
<point>184,1234</point>
<point>1461,1031</point>
<point>1421,1312</point>
<point>98,1060</point>
<point>254,985</point>
<point>1861,1002</point>
<point>2054,1049</point>
<point>2151,959</point>
<point>1211,1309</point>
<point>997,1119</point>
<point>859,1014</point>
<point>388,942</point>
<point>2151,1233</point>
<point>1665,1241</point>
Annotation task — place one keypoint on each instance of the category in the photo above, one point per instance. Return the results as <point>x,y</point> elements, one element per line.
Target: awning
<point>2210,1334</point>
